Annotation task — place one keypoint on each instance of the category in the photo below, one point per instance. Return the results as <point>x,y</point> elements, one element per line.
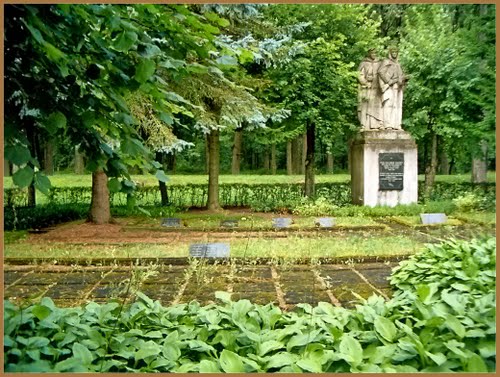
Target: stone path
<point>284,285</point>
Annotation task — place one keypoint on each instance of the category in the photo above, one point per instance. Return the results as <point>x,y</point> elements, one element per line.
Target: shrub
<point>319,207</point>
<point>468,202</point>
<point>441,319</point>
<point>43,216</point>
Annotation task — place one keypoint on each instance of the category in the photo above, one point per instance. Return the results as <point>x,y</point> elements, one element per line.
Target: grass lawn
<point>246,221</point>
<point>482,218</point>
<point>293,247</point>
<point>416,221</point>
<point>73,180</point>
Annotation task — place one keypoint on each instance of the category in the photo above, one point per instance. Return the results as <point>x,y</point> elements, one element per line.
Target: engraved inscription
<point>391,171</point>
<point>209,250</point>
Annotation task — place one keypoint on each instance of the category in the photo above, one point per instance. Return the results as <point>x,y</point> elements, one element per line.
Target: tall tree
<point>449,98</point>
<point>68,68</point>
<point>317,82</point>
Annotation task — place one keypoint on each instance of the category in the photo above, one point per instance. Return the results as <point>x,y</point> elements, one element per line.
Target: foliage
<point>451,67</point>
<point>468,202</point>
<point>268,197</point>
<point>441,319</point>
<point>320,206</point>
<point>70,68</point>
<point>42,216</point>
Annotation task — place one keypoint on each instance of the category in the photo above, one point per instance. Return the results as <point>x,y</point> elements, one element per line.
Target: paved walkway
<point>284,285</point>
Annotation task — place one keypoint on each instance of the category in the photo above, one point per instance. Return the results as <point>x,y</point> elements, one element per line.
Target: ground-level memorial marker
<point>325,222</point>
<point>282,222</point>
<point>433,218</point>
<point>171,222</point>
<point>229,223</point>
<point>209,250</point>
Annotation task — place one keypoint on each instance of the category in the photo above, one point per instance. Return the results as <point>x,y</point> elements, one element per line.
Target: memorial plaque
<point>171,222</point>
<point>282,222</point>
<point>433,218</point>
<point>229,223</point>
<point>325,222</point>
<point>391,171</point>
<point>209,250</point>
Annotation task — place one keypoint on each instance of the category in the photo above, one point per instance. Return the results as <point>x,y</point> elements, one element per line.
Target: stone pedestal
<point>383,168</point>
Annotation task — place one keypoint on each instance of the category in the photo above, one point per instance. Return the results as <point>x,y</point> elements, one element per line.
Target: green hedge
<point>237,195</point>
<point>441,319</point>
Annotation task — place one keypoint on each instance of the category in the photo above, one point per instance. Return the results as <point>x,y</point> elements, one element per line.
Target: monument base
<point>383,168</point>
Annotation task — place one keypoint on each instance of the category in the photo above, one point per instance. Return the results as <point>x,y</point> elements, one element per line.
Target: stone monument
<point>383,155</point>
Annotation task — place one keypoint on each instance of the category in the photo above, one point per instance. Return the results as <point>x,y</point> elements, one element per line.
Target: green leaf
<point>145,70</point>
<point>209,366</point>
<point>167,118</point>
<point>125,41</point>
<point>151,51</point>
<point>37,342</point>
<point>270,345</point>
<point>34,32</point>
<point>230,362</point>
<point>149,348</point>
<point>246,56</point>
<point>53,52</point>
<point>280,360</point>
<point>385,328</point>
<point>71,364</point>
<point>310,365</point>
<point>476,364</point>
<point>227,60</point>
<point>438,358</point>
<point>114,185</point>
<point>41,311</point>
<point>454,324</point>
<point>23,177</point>
<point>225,297</point>
<point>160,175</point>
<point>55,121</point>
<point>171,351</point>
<point>42,183</point>
<point>17,154</point>
<point>351,351</point>
<point>487,348</point>
<point>82,353</point>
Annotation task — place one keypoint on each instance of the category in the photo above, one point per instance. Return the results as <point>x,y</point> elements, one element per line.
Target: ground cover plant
<point>440,319</point>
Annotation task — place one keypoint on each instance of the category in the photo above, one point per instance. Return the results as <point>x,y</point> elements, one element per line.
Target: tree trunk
<point>49,152</point>
<point>31,195</point>
<point>213,170</point>
<point>309,162</point>
<point>304,153</point>
<point>160,157</point>
<point>238,140</point>
<point>289,158</point>
<point>207,155</point>
<point>79,162</point>
<point>329,163</point>
<point>6,168</point>
<point>444,163</point>
<point>479,165</point>
<point>99,206</point>
<point>273,159</point>
<point>267,162</point>
<point>431,168</point>
<point>173,162</point>
<point>295,156</point>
